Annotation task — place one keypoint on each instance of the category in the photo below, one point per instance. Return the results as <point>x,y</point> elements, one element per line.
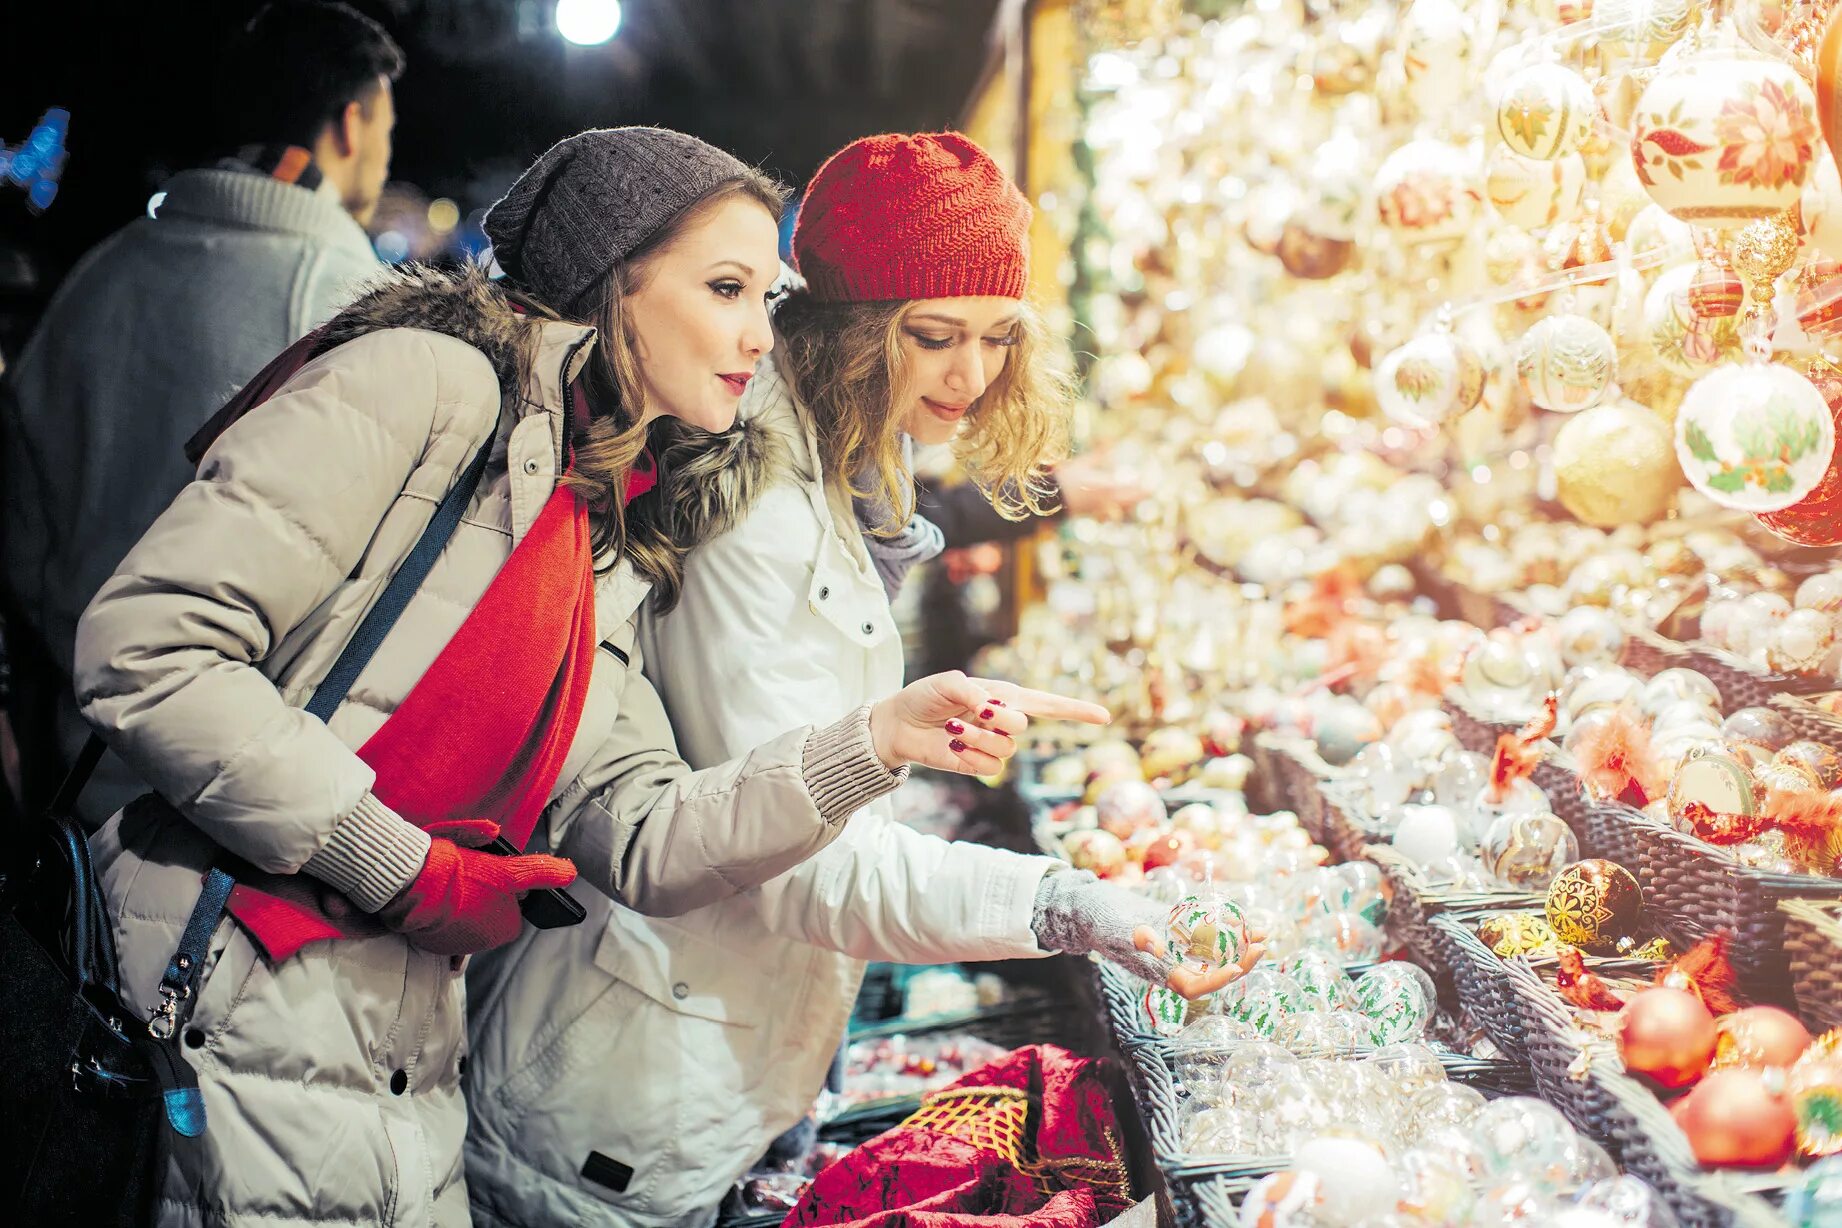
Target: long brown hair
<point>846,363</point>
<point>612,443</point>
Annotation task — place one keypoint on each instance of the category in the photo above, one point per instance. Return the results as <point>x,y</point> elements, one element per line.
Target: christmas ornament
<point>1312,256</point>
<point>1715,781</point>
<point>1128,806</point>
<point>1517,933</point>
<point>1757,1037</point>
<point>1354,1175</point>
<point>1683,342</point>
<point>1815,1088</point>
<point>1526,851</point>
<point>1816,519</point>
<point>1167,1009</point>
<point>1642,29</point>
<point>1666,1035</point>
<point>1427,380</point>
<point>1208,933</point>
<point>1398,999</point>
<point>1167,848</point>
<point>1170,753</point>
<point>1545,111</point>
<point>1735,1120</point>
<point>1566,362</point>
<point>1614,464</point>
<point>1426,192</point>
<point>1756,437</point>
<point>1100,852</point>
<point>1803,639</point>
<point>1716,291</point>
<point>1530,193</point>
<point>1593,903</point>
<point>1725,135</point>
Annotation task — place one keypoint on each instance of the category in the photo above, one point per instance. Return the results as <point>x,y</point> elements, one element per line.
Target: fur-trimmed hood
<point>707,481</point>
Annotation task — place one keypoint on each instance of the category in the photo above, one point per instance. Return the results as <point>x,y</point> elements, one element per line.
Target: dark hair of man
<point>294,68</point>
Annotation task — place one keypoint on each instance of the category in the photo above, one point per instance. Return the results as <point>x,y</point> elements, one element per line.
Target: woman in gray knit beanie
<point>488,696</point>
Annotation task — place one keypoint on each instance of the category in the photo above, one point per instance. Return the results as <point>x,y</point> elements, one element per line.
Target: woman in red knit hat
<point>713,1031</point>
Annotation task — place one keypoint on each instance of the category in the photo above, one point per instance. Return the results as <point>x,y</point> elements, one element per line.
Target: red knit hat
<point>907,217</point>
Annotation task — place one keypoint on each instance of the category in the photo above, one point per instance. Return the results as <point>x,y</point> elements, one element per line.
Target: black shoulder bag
<point>88,1092</point>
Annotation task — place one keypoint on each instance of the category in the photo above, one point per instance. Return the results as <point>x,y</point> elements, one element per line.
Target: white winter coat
<point>711,1033</point>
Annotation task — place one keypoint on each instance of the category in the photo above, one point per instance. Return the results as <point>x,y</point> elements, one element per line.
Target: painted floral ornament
<point>1545,110</point>
<point>1755,437</point>
<point>1426,192</point>
<point>1725,135</point>
<point>1428,380</point>
<point>1566,363</point>
<point>1436,47</point>
<point>1530,193</point>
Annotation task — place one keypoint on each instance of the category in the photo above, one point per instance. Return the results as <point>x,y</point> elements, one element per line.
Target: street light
<point>587,23</point>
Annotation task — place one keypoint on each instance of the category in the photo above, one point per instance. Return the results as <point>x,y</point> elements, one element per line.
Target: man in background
<point>161,322</point>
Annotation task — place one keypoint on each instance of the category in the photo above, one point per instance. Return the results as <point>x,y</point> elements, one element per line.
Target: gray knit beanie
<point>593,199</point>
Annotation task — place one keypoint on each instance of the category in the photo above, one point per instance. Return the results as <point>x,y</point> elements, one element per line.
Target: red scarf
<point>484,733</point>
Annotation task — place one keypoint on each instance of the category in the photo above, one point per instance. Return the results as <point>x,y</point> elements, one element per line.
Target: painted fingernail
<point>987,714</point>
<point>957,747</point>
<point>956,727</point>
<point>996,703</point>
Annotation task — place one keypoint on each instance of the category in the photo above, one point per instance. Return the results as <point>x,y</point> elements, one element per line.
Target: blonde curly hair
<point>847,364</point>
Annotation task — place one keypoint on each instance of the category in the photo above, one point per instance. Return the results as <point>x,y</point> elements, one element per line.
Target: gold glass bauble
<point>1616,464</point>
<point>1593,903</point>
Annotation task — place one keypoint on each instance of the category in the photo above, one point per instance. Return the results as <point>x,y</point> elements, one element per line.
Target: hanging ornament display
<point>1614,464</point>
<point>1566,363</point>
<point>1756,437</point>
<point>1530,193</point>
<point>1816,519</point>
<point>1545,110</point>
<point>1426,192</point>
<point>1725,135</point>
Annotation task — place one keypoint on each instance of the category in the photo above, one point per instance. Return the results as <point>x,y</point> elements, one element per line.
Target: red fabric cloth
<point>907,217</point>
<point>484,732</point>
<point>948,1175</point>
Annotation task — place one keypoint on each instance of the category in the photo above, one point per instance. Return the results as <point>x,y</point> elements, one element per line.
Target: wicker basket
<point>1209,1195</point>
<point>1810,721</point>
<point>1482,985</point>
<point>1582,1076</point>
<point>1740,683</point>
<point>1691,889</point>
<point>1813,944</point>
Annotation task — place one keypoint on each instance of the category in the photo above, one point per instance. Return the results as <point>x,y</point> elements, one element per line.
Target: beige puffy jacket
<point>332,1080</point>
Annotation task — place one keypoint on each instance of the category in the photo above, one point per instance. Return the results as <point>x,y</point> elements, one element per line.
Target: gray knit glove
<point>1076,913</point>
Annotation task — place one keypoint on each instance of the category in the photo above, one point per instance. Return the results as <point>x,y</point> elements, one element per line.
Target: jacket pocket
<point>676,967</point>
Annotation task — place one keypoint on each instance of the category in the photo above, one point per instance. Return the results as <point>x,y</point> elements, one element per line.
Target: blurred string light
<point>35,164</point>
<point>588,23</point>
<point>444,215</point>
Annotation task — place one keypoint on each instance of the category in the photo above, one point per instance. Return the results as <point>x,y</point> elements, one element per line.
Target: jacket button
<point>530,466</point>
<point>681,991</point>
<point>824,593</point>
<point>399,1082</point>
<point>868,629</point>
<point>195,1038</point>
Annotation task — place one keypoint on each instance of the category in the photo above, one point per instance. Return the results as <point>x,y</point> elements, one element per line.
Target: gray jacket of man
<point>151,332</point>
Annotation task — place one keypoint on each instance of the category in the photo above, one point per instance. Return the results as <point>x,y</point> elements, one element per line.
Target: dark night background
<point>490,84</point>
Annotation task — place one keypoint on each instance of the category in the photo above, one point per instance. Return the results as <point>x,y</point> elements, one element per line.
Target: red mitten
<point>466,901</point>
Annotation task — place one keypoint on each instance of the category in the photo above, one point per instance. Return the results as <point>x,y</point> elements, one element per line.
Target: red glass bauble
<point>1816,519</point>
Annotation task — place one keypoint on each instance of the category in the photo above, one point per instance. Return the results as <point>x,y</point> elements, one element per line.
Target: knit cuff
<point>842,769</point>
<point>372,855</point>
